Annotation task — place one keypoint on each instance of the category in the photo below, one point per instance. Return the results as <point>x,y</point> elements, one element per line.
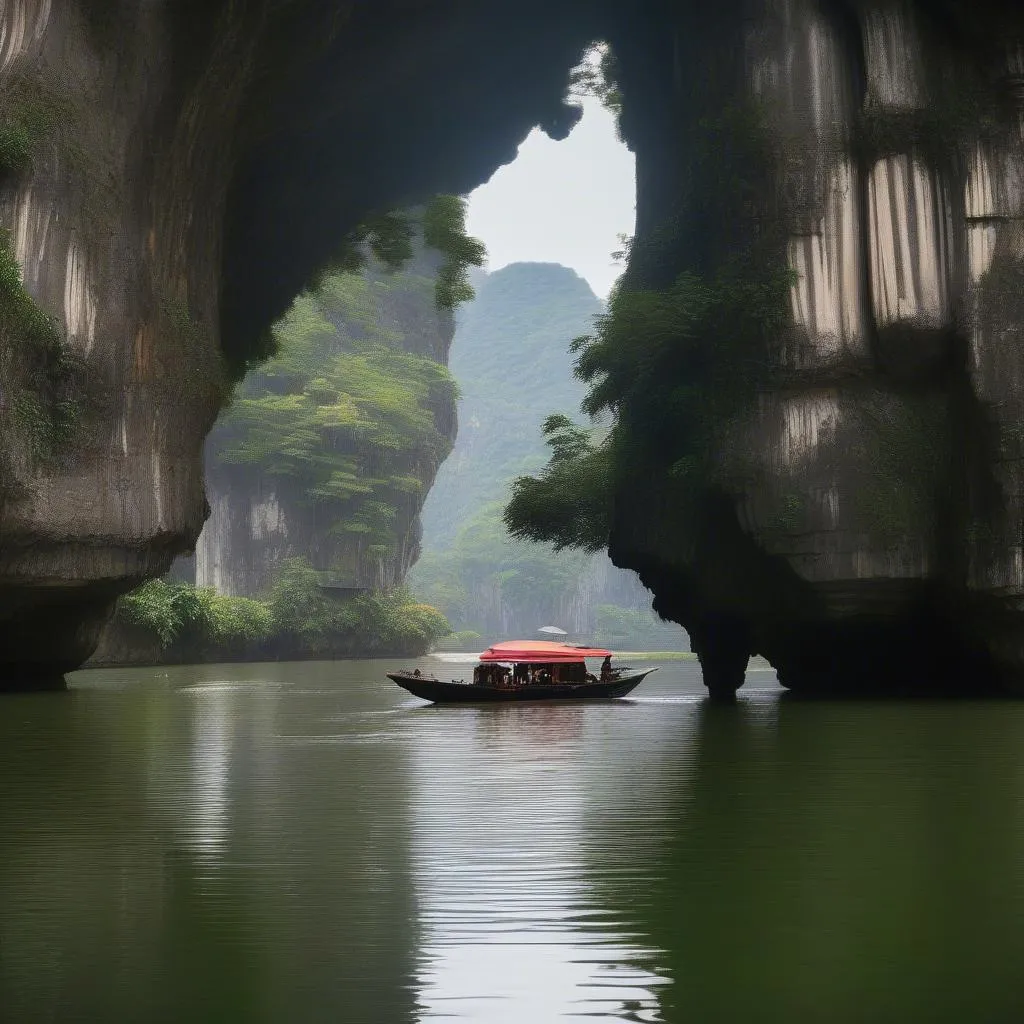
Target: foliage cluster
<point>444,229</point>
<point>297,618</point>
<point>671,366</point>
<point>37,367</point>
<point>677,361</point>
<point>343,411</point>
<point>21,131</point>
<point>308,618</point>
<point>511,358</point>
<point>179,613</point>
<point>390,239</point>
<point>597,75</point>
<point>569,504</point>
<point>32,109</point>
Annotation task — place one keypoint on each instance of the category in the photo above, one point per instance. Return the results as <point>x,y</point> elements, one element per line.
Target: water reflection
<point>202,850</point>
<point>844,862</point>
<point>205,822</point>
<point>304,843</point>
<point>512,928</point>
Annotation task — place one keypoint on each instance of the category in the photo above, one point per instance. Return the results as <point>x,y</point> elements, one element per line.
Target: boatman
<point>606,667</point>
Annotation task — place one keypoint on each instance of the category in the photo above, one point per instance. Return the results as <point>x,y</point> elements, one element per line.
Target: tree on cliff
<point>353,413</point>
<point>510,356</point>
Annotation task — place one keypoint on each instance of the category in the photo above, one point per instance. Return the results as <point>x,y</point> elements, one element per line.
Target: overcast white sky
<point>561,202</point>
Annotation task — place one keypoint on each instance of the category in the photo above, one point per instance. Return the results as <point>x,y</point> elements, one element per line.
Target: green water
<point>293,843</point>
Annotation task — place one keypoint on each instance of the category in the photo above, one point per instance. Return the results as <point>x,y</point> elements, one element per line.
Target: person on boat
<point>606,669</point>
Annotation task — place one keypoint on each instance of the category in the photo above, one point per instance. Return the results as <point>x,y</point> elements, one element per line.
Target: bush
<point>297,603</point>
<point>298,619</point>
<point>167,609</point>
<point>236,620</point>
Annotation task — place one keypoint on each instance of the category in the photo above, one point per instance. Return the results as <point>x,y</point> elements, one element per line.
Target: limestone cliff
<point>174,172</point>
<point>265,508</point>
<point>861,524</point>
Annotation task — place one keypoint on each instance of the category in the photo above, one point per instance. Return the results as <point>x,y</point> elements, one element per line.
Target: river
<point>306,842</point>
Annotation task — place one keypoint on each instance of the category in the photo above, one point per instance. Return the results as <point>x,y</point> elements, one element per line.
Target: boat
<point>521,670</point>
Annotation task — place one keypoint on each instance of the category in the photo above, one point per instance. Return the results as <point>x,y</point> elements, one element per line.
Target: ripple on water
<point>288,844</point>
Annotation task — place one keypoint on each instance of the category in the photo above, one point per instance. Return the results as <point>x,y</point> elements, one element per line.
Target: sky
<point>561,202</point>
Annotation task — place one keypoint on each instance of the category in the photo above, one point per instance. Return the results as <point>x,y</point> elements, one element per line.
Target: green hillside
<point>511,360</point>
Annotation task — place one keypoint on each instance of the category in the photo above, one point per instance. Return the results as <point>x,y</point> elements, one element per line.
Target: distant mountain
<point>510,357</point>
<point>511,360</point>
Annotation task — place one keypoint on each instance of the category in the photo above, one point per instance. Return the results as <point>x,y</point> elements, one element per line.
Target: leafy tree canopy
<point>343,410</point>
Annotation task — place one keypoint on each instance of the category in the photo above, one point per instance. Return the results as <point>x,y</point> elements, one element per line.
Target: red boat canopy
<point>540,651</point>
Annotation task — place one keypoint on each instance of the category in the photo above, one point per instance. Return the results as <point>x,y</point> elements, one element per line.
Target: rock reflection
<point>843,862</point>
<point>177,851</point>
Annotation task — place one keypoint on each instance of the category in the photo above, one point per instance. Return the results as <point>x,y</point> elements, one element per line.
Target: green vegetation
<point>673,366</point>
<point>569,504</point>
<point>444,229</point>
<point>343,412</point>
<point>511,358</point>
<point>179,613</point>
<point>38,370</point>
<point>598,75</point>
<point>30,112</point>
<point>298,618</point>
<point>677,367</point>
<point>389,238</point>
<point>21,131</point>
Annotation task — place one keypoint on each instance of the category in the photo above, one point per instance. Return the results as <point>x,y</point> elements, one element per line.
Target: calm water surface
<point>293,843</point>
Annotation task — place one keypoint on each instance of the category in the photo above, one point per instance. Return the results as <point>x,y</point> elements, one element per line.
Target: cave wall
<point>115,221</point>
<point>865,525</point>
<point>198,162</point>
<point>193,163</point>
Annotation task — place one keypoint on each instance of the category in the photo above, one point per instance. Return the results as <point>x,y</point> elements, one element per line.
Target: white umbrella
<point>553,630</point>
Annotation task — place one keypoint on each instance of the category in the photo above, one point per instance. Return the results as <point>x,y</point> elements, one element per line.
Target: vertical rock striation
<point>173,175</point>
<point>113,213</point>
<point>863,529</point>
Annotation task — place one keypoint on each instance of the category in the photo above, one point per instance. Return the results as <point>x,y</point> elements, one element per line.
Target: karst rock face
<point>190,164</point>
<point>864,531</point>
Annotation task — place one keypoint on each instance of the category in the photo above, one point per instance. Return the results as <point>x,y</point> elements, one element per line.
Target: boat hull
<point>440,692</point>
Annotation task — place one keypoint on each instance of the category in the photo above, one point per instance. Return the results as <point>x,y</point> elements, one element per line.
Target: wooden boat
<point>526,670</point>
